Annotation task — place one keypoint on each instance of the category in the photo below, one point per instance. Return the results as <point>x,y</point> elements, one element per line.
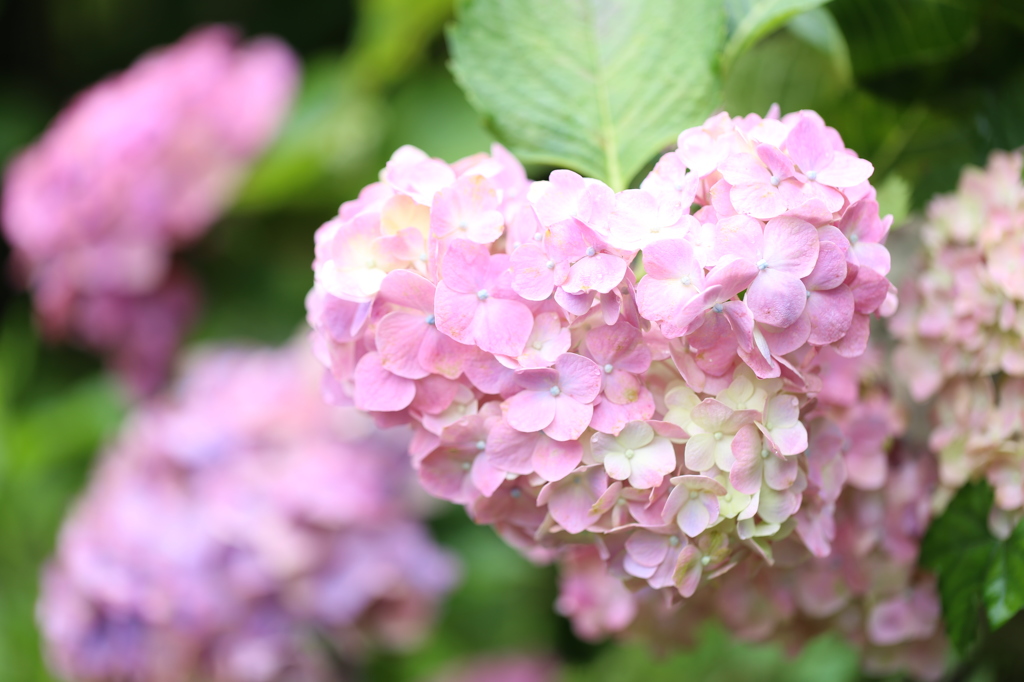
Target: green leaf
<point>894,198</point>
<point>808,82</point>
<point>755,19</point>
<point>599,86</point>
<point>818,28</point>
<point>889,35</point>
<point>981,578</point>
<point>1004,584</point>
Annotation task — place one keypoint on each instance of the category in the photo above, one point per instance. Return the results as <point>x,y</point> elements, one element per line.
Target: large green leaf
<point>981,578</point>
<point>889,35</point>
<point>751,20</point>
<point>599,86</point>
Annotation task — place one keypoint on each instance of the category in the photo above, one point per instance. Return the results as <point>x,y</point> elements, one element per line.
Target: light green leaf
<point>599,86</point>
<point>754,19</point>
<point>894,198</point>
<point>889,35</point>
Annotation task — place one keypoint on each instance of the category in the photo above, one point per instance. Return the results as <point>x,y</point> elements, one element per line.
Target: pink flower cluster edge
<point>133,169</point>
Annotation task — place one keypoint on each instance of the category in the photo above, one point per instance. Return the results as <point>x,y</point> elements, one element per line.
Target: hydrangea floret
<point>628,370</point>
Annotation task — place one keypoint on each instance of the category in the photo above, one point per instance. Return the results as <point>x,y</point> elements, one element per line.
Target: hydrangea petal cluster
<point>582,366</point>
<point>134,168</point>
<point>961,330</point>
<point>236,519</point>
<point>849,566</point>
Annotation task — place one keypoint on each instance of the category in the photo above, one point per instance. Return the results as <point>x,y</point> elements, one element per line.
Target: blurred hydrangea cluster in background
<point>135,168</point>
<point>961,332</point>
<point>235,525</point>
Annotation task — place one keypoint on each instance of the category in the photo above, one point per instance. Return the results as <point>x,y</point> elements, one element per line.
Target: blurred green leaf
<point>716,656</point>
<point>894,198</point>
<point>889,35</point>
<point>331,142</point>
<point>598,86</point>
<point>755,19</point>
<point>66,424</point>
<point>979,575</point>
<point>430,112</point>
<point>818,28</point>
<point>756,81</point>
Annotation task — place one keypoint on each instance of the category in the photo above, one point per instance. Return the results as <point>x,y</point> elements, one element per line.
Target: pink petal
<point>688,571</point>
<point>612,418</point>
<point>530,411</point>
<point>739,236</point>
<point>570,420</point>
<point>672,259</point>
<point>647,548</point>
<point>829,270</point>
<point>464,266</point>
<point>511,450</point>
<point>693,518</point>
<point>378,390</point>
<point>830,314</point>
<point>652,463</point>
<point>762,200</point>
<point>733,275</point>
<point>399,336</point>
<point>601,272</point>
<point>440,354</point>
<point>553,460</point>
<point>443,474</point>
<point>791,245</point>
<point>779,473</point>
<point>571,504</point>
<point>485,476</point>
<point>775,298</point>
<point>845,171</point>
<point>531,278</point>
<point>855,342</point>
<point>574,304</point>
<point>621,388</point>
<point>808,146</point>
<point>578,377</point>
<point>487,374</point>
<point>454,313</point>
<point>617,466</point>
<point>700,452</point>
<point>501,326</point>
<point>406,288</point>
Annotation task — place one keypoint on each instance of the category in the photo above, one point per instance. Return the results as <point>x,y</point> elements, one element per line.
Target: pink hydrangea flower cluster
<point>866,588</point>
<point>581,365</point>
<point>961,329</point>
<point>134,168</point>
<point>236,520</point>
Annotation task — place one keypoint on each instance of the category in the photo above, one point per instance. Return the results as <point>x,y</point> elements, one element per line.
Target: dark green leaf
<point>754,19</point>
<point>889,35</point>
<point>599,86</point>
<point>981,579</point>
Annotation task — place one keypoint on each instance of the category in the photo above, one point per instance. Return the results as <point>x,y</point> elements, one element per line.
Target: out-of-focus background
<point>919,88</point>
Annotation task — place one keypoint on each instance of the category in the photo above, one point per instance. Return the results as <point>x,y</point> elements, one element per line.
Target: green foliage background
<point>919,87</point>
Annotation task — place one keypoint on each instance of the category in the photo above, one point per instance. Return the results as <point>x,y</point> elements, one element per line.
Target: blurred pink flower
<point>136,167</point>
<point>235,515</point>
